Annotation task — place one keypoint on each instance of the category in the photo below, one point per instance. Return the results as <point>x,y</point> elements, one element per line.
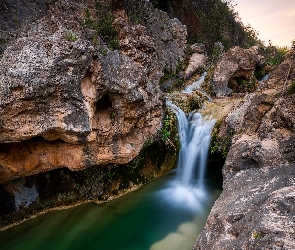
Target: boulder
<point>197,59</point>
<point>236,63</point>
<point>196,62</point>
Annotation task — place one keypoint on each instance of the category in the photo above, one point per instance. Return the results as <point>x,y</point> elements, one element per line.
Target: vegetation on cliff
<point>210,22</point>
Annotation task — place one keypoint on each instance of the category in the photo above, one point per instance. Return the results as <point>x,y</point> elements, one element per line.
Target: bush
<point>291,89</point>
<point>165,131</point>
<point>70,36</point>
<point>274,54</point>
<point>102,25</point>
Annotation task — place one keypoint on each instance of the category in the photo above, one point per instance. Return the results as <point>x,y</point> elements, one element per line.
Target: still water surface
<point>147,218</point>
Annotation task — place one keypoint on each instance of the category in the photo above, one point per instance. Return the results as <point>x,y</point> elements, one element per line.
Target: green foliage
<point>168,74</point>
<point>245,85</point>
<point>217,53</point>
<point>165,132</point>
<point>103,51</point>
<point>3,41</point>
<point>114,44</point>
<point>193,103</point>
<point>110,174</point>
<point>137,11</point>
<point>102,25</point>
<point>218,144</point>
<point>112,115</point>
<point>291,89</point>
<point>274,54</point>
<point>135,20</point>
<point>256,235</point>
<point>259,72</point>
<point>70,36</point>
<point>213,21</point>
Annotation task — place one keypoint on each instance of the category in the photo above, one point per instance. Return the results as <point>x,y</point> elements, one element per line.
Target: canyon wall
<point>73,95</point>
<point>256,209</point>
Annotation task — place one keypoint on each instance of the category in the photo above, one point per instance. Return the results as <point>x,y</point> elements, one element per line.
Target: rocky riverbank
<point>80,91</point>
<point>256,207</point>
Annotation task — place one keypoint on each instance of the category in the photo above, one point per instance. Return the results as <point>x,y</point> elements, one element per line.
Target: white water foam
<point>187,189</point>
<point>197,85</point>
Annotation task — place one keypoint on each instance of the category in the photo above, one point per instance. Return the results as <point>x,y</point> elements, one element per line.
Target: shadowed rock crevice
<point>37,155</point>
<point>104,115</point>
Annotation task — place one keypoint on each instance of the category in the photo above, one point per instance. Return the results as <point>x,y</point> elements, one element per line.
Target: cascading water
<point>197,85</point>
<point>194,135</point>
<point>173,209</point>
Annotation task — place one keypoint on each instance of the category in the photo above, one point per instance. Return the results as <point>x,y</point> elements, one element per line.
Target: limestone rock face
<point>236,63</point>
<point>254,211</point>
<point>256,207</point>
<point>196,62</point>
<point>66,101</point>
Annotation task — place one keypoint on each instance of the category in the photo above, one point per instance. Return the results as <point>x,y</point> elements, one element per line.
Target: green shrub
<point>102,25</point>
<point>291,89</point>
<point>165,132</point>
<point>114,44</point>
<point>220,144</point>
<point>274,54</point>
<point>256,235</point>
<point>259,72</point>
<point>112,115</point>
<point>3,41</point>
<point>70,36</point>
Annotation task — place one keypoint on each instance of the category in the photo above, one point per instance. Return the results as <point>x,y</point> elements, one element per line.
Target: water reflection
<point>142,220</point>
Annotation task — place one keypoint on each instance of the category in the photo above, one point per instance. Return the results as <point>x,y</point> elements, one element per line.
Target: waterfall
<point>197,85</point>
<point>188,188</point>
<point>194,135</point>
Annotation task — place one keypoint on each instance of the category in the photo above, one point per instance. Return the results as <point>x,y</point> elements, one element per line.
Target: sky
<point>273,19</point>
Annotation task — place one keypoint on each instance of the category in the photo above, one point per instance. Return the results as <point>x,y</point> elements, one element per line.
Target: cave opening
<point>104,103</point>
<point>215,163</point>
<point>104,114</point>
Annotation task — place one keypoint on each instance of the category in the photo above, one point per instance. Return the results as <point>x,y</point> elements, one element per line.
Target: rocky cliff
<point>256,209</point>
<point>77,91</point>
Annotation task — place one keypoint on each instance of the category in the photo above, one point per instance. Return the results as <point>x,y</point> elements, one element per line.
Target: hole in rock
<point>104,114</point>
<point>103,103</point>
<point>215,164</point>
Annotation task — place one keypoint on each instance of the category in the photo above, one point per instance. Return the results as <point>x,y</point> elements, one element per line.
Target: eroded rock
<point>254,211</point>
<point>66,101</point>
<point>256,208</point>
<point>236,63</point>
<point>196,62</point>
